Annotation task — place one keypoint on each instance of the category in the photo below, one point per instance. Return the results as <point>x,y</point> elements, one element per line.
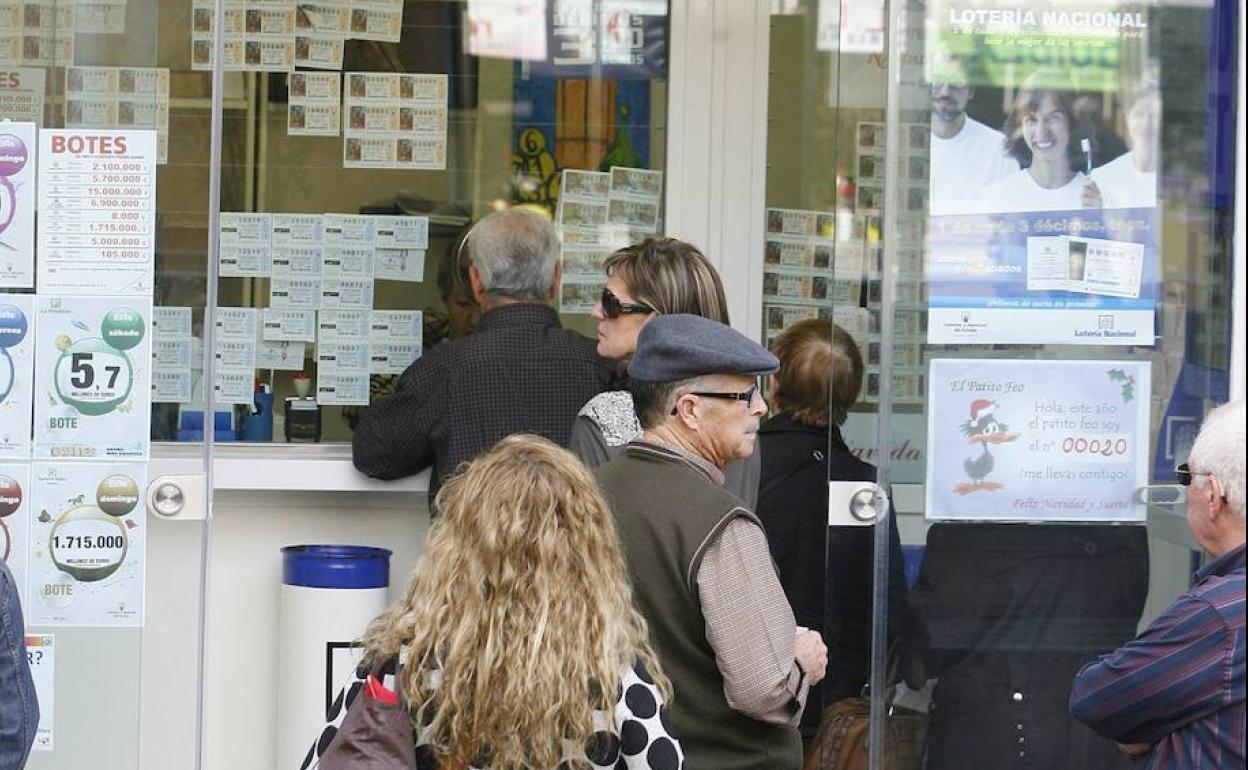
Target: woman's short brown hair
<point>820,372</point>
<point>671,276</point>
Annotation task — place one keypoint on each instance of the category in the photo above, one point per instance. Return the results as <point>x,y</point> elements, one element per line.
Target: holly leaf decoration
<point>1128,383</point>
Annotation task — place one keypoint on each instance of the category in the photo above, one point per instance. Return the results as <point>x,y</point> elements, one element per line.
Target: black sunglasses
<point>613,308</point>
<point>1184,473</point>
<point>746,395</point>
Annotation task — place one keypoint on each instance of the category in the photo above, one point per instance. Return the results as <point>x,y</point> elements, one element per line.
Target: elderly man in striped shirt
<point>1173,697</point>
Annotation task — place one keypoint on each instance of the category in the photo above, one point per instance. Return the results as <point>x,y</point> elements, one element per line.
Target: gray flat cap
<point>678,347</point>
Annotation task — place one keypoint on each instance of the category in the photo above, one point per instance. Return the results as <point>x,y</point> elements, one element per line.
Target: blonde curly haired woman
<point>523,648</point>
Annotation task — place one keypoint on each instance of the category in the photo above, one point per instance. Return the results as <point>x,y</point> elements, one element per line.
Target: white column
<point>717,148</point>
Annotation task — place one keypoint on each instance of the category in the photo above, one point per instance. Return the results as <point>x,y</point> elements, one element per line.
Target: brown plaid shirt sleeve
<point>750,626</point>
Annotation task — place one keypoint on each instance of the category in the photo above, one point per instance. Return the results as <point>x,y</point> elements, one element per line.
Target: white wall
<point>246,575</point>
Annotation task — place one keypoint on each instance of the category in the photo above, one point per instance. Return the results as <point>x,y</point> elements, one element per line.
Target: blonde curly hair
<point>522,602</point>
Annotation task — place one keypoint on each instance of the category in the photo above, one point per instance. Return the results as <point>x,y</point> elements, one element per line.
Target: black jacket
<point>798,462</point>
<point>1011,612</point>
<point>520,372</point>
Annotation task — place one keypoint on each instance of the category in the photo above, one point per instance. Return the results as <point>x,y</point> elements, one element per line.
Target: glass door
<point>1054,323</point>
<point>823,495</point>
<point>103,302</point>
<point>1009,226</point>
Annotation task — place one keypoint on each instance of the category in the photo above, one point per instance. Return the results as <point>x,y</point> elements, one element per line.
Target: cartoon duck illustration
<point>982,427</point>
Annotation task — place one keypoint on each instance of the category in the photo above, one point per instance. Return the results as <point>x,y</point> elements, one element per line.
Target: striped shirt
<point>1179,685</point>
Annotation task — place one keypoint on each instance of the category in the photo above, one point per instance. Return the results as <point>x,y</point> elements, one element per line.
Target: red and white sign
<point>97,204</point>
<point>21,94</point>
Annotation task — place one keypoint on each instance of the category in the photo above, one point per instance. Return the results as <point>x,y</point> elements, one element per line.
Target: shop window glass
<point>1032,248</point>
<point>360,142</point>
<point>363,156</point>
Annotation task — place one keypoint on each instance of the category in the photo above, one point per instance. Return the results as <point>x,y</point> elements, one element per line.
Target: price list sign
<point>97,212</point>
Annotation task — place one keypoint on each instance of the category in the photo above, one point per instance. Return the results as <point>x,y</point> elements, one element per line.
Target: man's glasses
<point>1185,474</point>
<point>746,395</point>
<point>613,308</point>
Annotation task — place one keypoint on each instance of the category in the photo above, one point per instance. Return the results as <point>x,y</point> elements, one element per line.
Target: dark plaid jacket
<point>520,372</point>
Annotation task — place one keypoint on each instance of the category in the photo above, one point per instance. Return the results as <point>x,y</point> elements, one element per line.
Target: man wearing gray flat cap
<point>702,575</point>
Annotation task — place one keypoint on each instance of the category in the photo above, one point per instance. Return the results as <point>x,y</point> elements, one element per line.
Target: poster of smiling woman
<point>1044,150</point>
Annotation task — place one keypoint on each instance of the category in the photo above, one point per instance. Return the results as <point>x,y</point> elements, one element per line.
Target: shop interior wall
<point>304,174</point>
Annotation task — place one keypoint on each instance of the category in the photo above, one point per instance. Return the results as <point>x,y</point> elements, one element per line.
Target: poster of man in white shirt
<point>1130,180</point>
<point>966,155</point>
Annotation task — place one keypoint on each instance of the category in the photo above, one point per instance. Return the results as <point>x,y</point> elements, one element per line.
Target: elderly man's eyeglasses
<point>1185,474</point>
<point>613,308</point>
<point>746,395</point>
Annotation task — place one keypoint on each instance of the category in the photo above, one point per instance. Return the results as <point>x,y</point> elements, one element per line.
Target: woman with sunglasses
<point>656,276</point>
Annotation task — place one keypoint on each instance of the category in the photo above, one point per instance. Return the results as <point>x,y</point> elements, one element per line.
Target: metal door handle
<point>178,497</point>
<point>855,503</point>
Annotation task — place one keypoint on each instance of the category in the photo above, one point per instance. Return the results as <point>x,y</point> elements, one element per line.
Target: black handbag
<point>376,733</point>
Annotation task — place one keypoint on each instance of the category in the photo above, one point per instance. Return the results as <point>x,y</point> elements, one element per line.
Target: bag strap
<point>892,672</point>
<point>815,456</point>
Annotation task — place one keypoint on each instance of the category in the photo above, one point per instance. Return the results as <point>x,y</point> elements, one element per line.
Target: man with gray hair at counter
<point>520,372</point>
<point>702,573</point>
<point>1173,697</point>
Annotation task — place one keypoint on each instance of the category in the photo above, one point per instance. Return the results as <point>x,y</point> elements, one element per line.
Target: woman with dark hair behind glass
<point>829,587</point>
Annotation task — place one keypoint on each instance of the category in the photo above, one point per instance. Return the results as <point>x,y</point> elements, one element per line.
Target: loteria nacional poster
<point>15,520</point>
<point>92,389</point>
<point>1045,149</point>
<point>17,368</point>
<point>88,535</point>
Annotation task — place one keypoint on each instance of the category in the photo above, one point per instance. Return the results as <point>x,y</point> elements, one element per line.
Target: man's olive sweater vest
<point>668,511</point>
